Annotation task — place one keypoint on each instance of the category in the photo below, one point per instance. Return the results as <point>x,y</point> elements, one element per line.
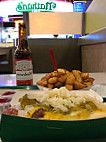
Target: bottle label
<point>24,71</point>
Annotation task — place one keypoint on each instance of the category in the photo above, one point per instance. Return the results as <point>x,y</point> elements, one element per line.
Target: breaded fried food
<point>54,74</point>
<point>84,75</point>
<point>47,76</point>
<point>78,85</point>
<point>62,78</point>
<point>89,79</point>
<point>88,83</point>
<point>61,71</point>
<point>50,85</point>
<point>58,85</point>
<point>77,75</point>
<point>52,80</point>
<point>42,82</point>
<point>71,80</point>
<point>69,87</point>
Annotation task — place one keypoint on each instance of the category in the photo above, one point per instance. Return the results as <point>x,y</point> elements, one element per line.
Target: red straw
<point>53,59</point>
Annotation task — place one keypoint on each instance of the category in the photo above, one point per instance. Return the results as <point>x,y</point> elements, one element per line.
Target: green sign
<point>36,7</point>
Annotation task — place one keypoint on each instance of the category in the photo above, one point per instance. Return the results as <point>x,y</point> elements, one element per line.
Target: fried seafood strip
<point>74,80</point>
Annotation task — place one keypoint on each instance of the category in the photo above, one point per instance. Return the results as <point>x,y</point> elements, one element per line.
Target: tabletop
<point>2,54</point>
<point>10,79</point>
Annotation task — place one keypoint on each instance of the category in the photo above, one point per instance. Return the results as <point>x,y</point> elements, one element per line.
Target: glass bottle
<point>23,59</point>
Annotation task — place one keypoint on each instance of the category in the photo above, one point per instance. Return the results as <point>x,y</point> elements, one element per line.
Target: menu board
<point>79,6</point>
<point>1,19</point>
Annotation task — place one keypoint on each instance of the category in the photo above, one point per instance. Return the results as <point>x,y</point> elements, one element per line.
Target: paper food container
<point>17,129</point>
<point>21,129</point>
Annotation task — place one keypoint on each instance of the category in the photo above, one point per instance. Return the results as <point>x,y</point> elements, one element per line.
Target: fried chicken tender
<point>71,80</point>
<point>77,75</point>
<point>69,87</point>
<point>84,75</point>
<point>52,80</point>
<point>89,79</point>
<point>58,85</point>
<point>61,71</point>
<point>50,85</point>
<point>54,74</point>
<point>78,85</point>
<point>88,83</point>
<point>62,78</point>
<point>42,82</point>
<point>49,75</point>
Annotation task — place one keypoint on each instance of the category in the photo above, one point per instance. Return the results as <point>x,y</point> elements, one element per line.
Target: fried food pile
<point>74,80</point>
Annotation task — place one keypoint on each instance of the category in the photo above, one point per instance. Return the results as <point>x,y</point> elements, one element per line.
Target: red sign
<point>7,0</point>
<point>65,0</point>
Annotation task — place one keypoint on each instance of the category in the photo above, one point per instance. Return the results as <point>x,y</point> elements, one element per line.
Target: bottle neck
<point>22,37</point>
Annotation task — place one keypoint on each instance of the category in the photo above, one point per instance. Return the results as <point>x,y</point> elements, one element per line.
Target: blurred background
<point>75,29</point>
<point>9,18</point>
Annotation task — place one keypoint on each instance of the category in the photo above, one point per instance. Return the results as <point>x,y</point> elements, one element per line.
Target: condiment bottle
<point>23,59</point>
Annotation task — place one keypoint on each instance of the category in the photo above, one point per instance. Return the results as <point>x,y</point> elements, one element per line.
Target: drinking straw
<point>53,59</point>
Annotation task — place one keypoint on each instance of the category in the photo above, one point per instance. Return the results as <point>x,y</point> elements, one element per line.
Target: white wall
<point>55,23</point>
<point>96,16</point>
<point>8,8</point>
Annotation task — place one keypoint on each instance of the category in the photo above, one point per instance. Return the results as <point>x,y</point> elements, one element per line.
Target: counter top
<point>6,44</point>
<point>10,79</point>
<point>96,37</point>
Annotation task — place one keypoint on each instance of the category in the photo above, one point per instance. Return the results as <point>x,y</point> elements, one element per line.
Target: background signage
<point>79,6</point>
<point>48,6</point>
<point>16,7</point>
<point>1,19</point>
<point>43,6</point>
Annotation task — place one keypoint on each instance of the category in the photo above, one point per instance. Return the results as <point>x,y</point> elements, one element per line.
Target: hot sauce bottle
<point>23,59</point>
